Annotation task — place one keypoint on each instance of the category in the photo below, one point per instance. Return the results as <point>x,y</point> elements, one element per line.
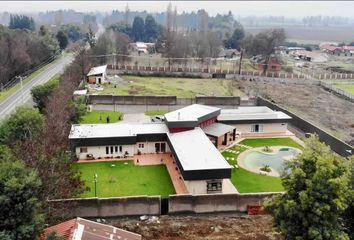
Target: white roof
<point>190,113</point>
<point>251,113</point>
<point>97,70</point>
<point>218,129</point>
<point>80,92</point>
<point>115,130</point>
<point>196,152</point>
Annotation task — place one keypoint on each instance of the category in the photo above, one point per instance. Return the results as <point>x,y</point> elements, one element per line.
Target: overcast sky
<point>242,8</point>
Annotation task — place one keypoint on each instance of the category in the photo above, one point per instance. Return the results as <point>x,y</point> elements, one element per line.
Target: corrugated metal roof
<point>97,70</point>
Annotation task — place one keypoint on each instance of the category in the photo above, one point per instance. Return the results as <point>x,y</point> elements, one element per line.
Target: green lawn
<point>346,87</point>
<point>123,178</point>
<point>156,112</point>
<point>261,142</point>
<point>165,86</point>
<point>100,116</point>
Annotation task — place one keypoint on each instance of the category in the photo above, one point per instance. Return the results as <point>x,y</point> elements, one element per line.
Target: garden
<point>123,178</point>
<point>101,116</point>
<point>246,181</point>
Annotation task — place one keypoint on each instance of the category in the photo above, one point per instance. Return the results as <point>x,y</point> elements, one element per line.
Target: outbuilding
<point>97,75</point>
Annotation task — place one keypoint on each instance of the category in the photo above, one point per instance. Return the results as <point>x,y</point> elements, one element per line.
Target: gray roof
<point>196,152</point>
<point>251,113</point>
<point>79,131</point>
<point>190,113</point>
<point>218,129</point>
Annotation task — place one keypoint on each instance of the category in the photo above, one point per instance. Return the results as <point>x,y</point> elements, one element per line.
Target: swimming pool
<point>256,159</point>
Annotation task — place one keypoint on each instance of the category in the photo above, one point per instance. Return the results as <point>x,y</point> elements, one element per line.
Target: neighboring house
<point>142,47</point>
<point>229,54</point>
<point>348,50</point>
<point>330,49</point>
<point>310,56</point>
<point>97,75</point>
<point>272,65</point>
<point>192,135</point>
<point>82,229</point>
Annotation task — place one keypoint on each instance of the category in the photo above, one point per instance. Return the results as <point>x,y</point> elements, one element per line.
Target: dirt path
<point>324,109</point>
<point>216,227</point>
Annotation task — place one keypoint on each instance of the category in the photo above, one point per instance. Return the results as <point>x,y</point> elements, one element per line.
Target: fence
<point>336,144</point>
<point>15,80</point>
<point>153,205</point>
<point>159,100</point>
<point>333,88</point>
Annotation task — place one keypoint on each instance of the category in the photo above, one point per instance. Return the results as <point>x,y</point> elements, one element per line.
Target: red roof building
<point>83,229</point>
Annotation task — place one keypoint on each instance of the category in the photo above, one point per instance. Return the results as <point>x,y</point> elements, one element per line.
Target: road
<point>23,95</point>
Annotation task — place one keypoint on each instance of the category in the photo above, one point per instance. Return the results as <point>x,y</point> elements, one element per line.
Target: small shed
<point>229,53</point>
<point>97,75</point>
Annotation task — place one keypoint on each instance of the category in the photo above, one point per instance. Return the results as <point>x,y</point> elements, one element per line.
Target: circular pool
<point>254,159</point>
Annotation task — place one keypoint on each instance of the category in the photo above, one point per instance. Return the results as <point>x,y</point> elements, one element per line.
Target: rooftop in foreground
<point>190,113</point>
<point>251,113</point>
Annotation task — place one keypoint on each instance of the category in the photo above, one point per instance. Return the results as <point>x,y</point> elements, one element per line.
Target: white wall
<point>267,127</point>
<point>200,186</point>
<point>100,151</point>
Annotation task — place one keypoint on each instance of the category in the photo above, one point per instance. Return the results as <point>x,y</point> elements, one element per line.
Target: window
<point>141,145</point>
<point>116,149</point>
<point>111,149</point>
<point>120,149</point>
<point>83,150</point>
<point>107,150</point>
<point>214,186</point>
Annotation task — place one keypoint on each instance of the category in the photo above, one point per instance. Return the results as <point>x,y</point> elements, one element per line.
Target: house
<point>191,135</point>
<point>83,229</point>
<point>97,75</point>
<point>272,65</point>
<point>229,54</point>
<point>142,47</point>
<point>348,50</point>
<point>330,48</point>
<point>255,121</point>
<point>310,56</point>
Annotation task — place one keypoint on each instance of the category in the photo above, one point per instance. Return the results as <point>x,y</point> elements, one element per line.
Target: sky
<point>238,8</point>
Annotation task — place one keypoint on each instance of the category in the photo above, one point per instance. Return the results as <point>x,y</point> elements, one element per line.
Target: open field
<point>346,87</point>
<point>180,87</point>
<point>123,178</point>
<point>247,182</point>
<point>202,227</point>
<point>100,116</point>
<point>324,109</point>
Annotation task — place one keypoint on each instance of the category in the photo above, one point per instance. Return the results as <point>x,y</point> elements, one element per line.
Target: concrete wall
<point>336,144</point>
<point>218,100</point>
<point>214,203</point>
<point>111,207</point>
<point>100,151</point>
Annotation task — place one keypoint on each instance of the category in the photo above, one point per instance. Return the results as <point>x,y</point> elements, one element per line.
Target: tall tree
<point>20,216</point>
<point>21,22</point>
<point>62,39</point>
<point>24,124</point>
<point>41,93</point>
<point>236,38</point>
<point>151,29</point>
<point>316,184</point>
<point>138,29</point>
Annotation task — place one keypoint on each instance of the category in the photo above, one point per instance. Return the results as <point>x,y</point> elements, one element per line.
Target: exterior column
<point>225,139</point>
<point>234,134</point>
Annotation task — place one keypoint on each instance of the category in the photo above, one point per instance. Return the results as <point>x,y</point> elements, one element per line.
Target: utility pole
<point>239,67</point>
<point>95,181</point>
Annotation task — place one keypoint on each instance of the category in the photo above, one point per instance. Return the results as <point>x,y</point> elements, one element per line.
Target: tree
<point>138,29</point>
<point>43,30</point>
<point>20,216</point>
<point>24,124</point>
<point>236,38</point>
<point>349,213</point>
<point>62,39</point>
<point>21,22</point>
<point>73,32</point>
<point>91,38</point>
<point>316,184</point>
<point>41,93</point>
<point>151,29</point>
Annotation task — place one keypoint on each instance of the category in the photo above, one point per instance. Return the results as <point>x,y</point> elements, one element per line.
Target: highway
<point>22,96</point>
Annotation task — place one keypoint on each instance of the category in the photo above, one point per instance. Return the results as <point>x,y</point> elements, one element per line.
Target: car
<point>158,118</point>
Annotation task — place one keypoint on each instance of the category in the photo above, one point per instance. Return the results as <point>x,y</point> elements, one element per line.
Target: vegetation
<point>261,142</point>
<point>101,116</point>
<point>62,39</point>
<point>23,125</point>
<point>123,178</point>
<point>20,216</point>
<point>156,112</point>
<point>346,87</point>
<point>166,86</point>
<point>41,93</point>
<point>315,200</point>
<point>21,22</point>
<point>28,49</point>
<point>73,32</point>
